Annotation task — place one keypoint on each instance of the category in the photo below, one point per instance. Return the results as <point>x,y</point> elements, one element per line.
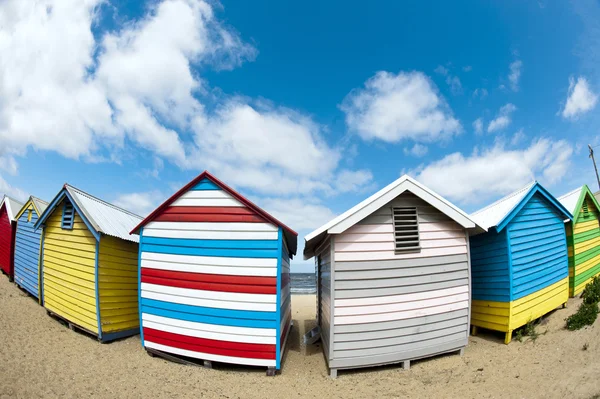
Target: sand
<point>39,357</point>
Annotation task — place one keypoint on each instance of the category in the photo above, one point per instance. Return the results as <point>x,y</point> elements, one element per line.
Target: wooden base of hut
<point>105,338</point>
<point>271,371</point>
<point>508,316</point>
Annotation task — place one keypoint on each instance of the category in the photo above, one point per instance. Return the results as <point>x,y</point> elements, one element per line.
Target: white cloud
<point>144,90</point>
<point>497,171</point>
<point>451,80</point>
<point>580,99</point>
<point>467,68</point>
<point>417,150</point>
<point>503,119</point>
<point>478,125</point>
<point>298,213</point>
<point>140,203</point>
<point>348,181</point>
<point>518,137</point>
<point>480,92</point>
<point>8,164</point>
<point>515,74</point>
<point>394,107</point>
<point>11,191</point>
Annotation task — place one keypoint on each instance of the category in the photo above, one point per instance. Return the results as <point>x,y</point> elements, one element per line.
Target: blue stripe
<point>220,321</point>
<point>213,244</point>
<point>213,312</point>
<point>139,265</point>
<point>26,255</point>
<point>205,184</point>
<point>231,253</point>
<point>278,334</point>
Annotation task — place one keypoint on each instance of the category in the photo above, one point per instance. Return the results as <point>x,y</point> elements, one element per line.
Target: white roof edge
<point>9,206</point>
<point>405,183</point>
<point>570,203</point>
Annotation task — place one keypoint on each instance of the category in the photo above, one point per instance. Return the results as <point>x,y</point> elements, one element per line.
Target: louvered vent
<point>406,229</point>
<point>68,216</point>
<point>585,208</point>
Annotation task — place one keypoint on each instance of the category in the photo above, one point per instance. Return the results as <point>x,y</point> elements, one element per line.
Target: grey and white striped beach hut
<point>393,278</point>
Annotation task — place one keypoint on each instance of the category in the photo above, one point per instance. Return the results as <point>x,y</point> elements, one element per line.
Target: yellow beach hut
<point>89,264</point>
<point>583,237</point>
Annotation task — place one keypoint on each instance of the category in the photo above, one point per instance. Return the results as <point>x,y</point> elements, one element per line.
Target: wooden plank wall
<point>118,284</point>
<point>5,241</point>
<point>209,269</point>
<point>69,279</point>
<point>391,307</point>
<point>286,298</point>
<point>27,252</point>
<point>584,248</point>
<point>324,294</point>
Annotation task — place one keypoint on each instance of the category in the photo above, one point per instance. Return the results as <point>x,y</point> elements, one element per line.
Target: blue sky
<point>306,108</point>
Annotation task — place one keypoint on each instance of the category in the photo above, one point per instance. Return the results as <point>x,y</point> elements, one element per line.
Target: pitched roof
<point>100,216</point>
<point>290,235</point>
<point>39,205</point>
<point>499,213</point>
<point>357,213</point>
<point>493,214</point>
<point>573,200</point>
<point>12,206</point>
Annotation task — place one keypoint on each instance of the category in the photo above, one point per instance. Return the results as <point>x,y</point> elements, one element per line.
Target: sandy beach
<point>39,357</point>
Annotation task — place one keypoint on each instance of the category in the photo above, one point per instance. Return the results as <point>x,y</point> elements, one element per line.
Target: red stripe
<point>209,278</point>
<point>217,210</point>
<point>215,218</point>
<point>214,347</point>
<point>195,285</point>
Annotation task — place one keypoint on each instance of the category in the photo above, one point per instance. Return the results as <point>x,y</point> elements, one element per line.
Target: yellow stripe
<point>586,226</point>
<point>586,245</point>
<point>539,303</point>
<point>588,264</point>
<point>490,314</point>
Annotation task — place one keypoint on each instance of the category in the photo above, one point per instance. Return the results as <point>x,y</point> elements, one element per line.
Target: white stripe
<point>230,202</point>
<point>226,270</point>
<point>211,260</point>
<point>375,318</point>
<point>212,235</point>
<point>380,300</point>
<point>216,328</point>
<point>400,307</point>
<point>216,295</point>
<point>213,358</point>
<point>209,303</point>
<point>210,226</point>
<point>248,339</point>
<point>205,194</point>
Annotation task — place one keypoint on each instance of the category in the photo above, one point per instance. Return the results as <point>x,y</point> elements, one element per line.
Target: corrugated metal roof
<point>104,217</point>
<point>12,206</point>
<point>570,199</point>
<point>40,204</point>
<point>493,214</point>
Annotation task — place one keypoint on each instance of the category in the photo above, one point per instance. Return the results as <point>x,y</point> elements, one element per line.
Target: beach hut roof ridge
<point>12,206</point>
<point>365,208</point>
<point>499,213</point>
<point>290,235</point>
<point>39,205</point>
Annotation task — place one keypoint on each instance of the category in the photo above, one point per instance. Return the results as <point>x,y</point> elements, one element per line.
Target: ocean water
<point>303,283</point>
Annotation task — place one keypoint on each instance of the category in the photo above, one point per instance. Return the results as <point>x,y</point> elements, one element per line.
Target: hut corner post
<point>139,293</point>
<point>332,371</point>
<point>272,371</point>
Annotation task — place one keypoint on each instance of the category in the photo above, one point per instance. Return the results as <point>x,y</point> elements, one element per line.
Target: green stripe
<point>591,272</point>
<point>587,235</point>
<point>587,255</point>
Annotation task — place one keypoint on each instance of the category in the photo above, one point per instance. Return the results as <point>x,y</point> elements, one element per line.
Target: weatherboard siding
<point>69,259</point>
<point>538,248</point>
<point>5,241</point>
<point>393,307</point>
<point>118,285</point>
<point>27,252</point>
<point>323,260</point>
<point>214,281</point>
<point>584,247</point>
<point>490,267</point>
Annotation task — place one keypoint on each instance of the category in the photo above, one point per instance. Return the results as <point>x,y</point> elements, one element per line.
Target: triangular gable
<point>11,207</point>
<point>585,192</point>
<point>203,184</point>
<point>25,207</point>
<point>535,188</point>
<point>367,207</point>
<point>64,194</point>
